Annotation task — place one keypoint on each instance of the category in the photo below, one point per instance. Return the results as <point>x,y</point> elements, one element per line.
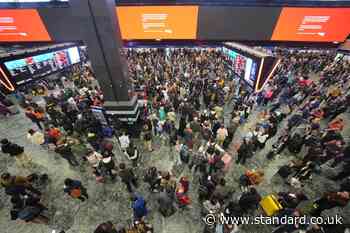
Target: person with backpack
<point>250,200</point>
<point>75,189</point>
<point>184,154</point>
<point>28,209</point>
<point>16,151</point>
<point>139,207</point>
<point>128,177</point>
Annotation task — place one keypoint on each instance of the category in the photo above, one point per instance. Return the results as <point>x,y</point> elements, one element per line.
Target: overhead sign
<point>312,24</point>
<point>31,1</point>
<point>20,25</point>
<point>158,22</point>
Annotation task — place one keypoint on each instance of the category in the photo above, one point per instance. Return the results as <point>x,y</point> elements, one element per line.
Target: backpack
<point>76,192</point>
<point>184,154</point>
<point>107,132</point>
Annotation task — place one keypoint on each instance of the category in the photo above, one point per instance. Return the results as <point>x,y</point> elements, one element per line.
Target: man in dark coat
<point>128,177</point>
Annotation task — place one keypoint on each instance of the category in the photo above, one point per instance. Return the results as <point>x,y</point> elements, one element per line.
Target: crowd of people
<point>195,107</point>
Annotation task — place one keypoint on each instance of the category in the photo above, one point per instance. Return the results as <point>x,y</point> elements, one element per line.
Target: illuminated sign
<point>158,22</point>
<point>312,24</point>
<point>22,25</point>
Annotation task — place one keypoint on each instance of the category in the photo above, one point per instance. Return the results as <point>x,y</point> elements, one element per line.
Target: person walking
<point>128,177</point>
<point>75,189</point>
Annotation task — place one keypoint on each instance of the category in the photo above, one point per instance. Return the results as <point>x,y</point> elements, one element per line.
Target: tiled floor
<point>111,201</point>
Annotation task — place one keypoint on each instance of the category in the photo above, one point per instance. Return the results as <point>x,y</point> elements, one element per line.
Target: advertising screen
<point>158,22</point>
<point>236,23</point>
<point>312,24</point>
<point>242,66</point>
<point>23,70</point>
<point>31,1</point>
<point>22,25</point>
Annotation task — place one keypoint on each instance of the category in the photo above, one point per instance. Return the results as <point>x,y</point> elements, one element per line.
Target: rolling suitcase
<point>270,205</point>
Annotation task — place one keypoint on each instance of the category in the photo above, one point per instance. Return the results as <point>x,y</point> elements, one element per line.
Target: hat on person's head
<point>31,131</point>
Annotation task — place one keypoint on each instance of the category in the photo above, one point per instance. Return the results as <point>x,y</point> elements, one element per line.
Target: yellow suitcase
<point>270,205</point>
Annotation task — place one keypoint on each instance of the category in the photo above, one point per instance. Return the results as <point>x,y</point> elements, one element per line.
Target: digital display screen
<point>25,69</point>
<point>157,22</point>
<point>22,25</point>
<point>241,65</point>
<point>31,1</point>
<point>312,24</point>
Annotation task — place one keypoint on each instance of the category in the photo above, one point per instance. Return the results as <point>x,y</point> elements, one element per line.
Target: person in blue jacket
<point>139,207</point>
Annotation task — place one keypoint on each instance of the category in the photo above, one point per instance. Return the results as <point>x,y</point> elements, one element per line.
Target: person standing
<point>14,150</point>
<point>147,138</point>
<point>35,137</point>
<point>75,189</point>
<point>330,200</point>
<point>35,117</point>
<point>245,151</point>
<point>66,152</point>
<point>166,204</point>
<point>132,154</point>
<point>124,141</point>
<point>221,135</point>
<point>128,177</point>
<point>139,208</point>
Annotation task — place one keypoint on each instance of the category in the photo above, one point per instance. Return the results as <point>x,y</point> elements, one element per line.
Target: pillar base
<point>124,111</point>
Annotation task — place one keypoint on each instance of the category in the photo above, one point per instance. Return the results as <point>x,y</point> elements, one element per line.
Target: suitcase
<point>270,205</point>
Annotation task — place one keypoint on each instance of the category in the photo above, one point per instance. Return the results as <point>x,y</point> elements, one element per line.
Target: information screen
<point>22,25</point>
<point>242,66</point>
<point>25,69</point>
<point>312,24</point>
<point>158,22</point>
